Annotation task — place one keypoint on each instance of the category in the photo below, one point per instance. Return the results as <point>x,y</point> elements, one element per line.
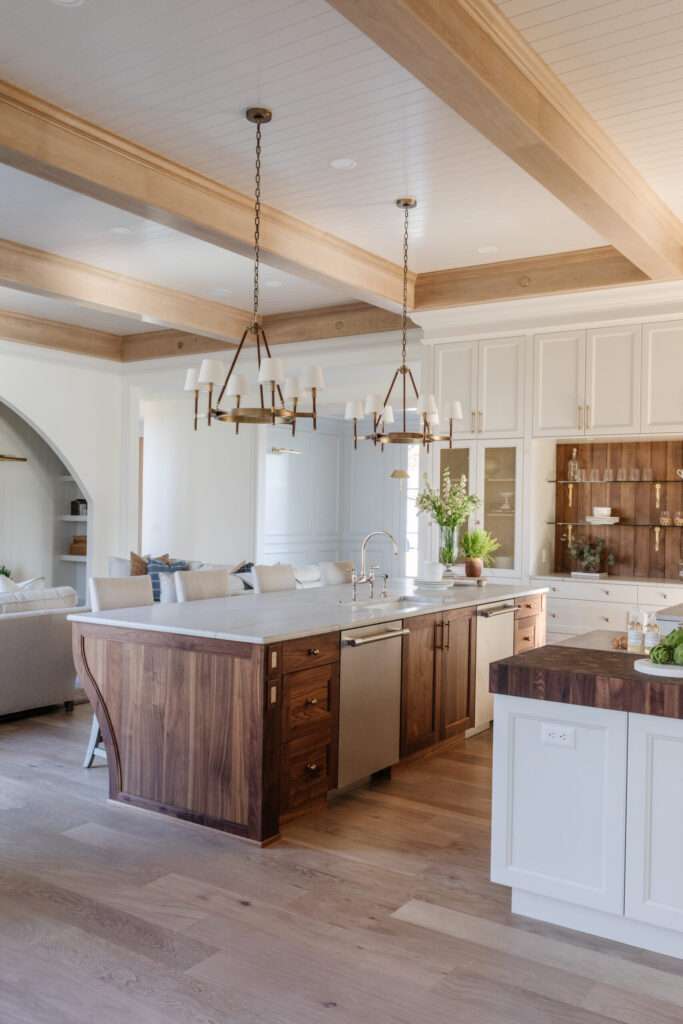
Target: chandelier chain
<point>257,220</point>
<point>404,317</point>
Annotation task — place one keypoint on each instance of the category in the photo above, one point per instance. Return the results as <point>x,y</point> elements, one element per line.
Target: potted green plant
<point>478,547</point>
<point>592,558</point>
<point>449,507</point>
<point>4,571</point>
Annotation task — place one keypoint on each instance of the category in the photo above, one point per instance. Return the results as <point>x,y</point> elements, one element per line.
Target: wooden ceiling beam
<point>41,138</point>
<point>166,344</point>
<point>581,270</point>
<point>83,341</point>
<point>345,321</point>
<point>44,273</point>
<point>472,57</point>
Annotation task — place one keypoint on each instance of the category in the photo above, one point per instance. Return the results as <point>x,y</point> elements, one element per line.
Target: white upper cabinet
<point>559,383</point>
<point>455,369</point>
<point>662,393</point>
<point>487,377</point>
<point>500,409</point>
<point>613,367</point>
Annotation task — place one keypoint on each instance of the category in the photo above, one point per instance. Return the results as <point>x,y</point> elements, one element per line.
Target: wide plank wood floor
<point>377,909</point>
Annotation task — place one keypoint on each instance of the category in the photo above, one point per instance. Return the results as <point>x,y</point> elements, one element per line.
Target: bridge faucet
<point>364,576</point>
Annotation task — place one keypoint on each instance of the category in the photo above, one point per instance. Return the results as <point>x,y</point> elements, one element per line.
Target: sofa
<point>37,668</point>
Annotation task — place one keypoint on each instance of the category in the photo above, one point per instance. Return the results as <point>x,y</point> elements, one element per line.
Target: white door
<point>559,383</point>
<point>662,408</point>
<point>654,837</point>
<point>613,371</point>
<point>499,486</point>
<point>559,801</point>
<point>455,379</point>
<point>501,387</point>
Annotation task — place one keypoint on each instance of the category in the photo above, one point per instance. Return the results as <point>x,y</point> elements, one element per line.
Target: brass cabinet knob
<point>314,651</point>
<point>310,701</point>
<point>313,768</point>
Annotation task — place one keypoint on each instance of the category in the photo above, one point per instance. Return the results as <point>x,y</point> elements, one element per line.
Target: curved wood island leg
<point>190,725</point>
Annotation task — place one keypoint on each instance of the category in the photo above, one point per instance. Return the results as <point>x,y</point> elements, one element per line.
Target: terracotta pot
<point>474,567</point>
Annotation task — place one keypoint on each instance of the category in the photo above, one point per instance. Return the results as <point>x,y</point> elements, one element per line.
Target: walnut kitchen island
<point>225,712</point>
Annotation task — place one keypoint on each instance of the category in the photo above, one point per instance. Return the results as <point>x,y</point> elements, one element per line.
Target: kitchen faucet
<point>366,577</point>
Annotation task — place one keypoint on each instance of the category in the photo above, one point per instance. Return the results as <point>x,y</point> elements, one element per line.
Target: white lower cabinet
<point>654,835</point>
<point>559,800</point>
<point>587,823</point>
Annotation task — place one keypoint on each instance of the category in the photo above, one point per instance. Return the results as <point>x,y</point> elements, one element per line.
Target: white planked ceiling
<point>176,75</point>
<point>37,213</point>
<point>623,60</point>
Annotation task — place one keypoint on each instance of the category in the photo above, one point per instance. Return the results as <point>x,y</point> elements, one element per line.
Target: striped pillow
<point>156,566</point>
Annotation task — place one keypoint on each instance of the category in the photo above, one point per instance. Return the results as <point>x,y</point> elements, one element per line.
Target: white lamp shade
<point>212,371</point>
<point>237,386</point>
<point>271,371</point>
<point>373,405</point>
<point>314,378</point>
<point>433,419</point>
<point>388,414</point>
<point>292,387</point>
<point>191,381</point>
<point>431,405</point>
<point>456,411</point>
<point>354,410</point>
<point>426,405</point>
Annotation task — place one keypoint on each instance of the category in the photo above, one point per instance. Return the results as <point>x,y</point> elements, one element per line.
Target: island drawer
<point>306,771</point>
<point>528,606</point>
<point>310,650</point>
<point>309,701</point>
<point>525,634</point>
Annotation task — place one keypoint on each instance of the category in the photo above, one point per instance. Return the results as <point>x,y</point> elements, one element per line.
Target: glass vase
<point>448,545</point>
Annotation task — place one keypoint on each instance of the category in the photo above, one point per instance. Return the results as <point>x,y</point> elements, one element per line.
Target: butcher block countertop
<point>585,670</point>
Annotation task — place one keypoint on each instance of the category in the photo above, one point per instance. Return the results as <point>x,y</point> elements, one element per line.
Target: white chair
<point>201,584</point>
<point>105,595</point>
<point>269,578</point>
<point>335,573</point>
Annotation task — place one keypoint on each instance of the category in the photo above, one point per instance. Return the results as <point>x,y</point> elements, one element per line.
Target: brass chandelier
<point>276,390</point>
<point>381,412</point>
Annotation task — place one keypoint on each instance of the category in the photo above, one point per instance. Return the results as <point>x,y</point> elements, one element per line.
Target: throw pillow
<point>155,566</point>
<point>36,583</point>
<point>138,565</point>
<point>7,586</point>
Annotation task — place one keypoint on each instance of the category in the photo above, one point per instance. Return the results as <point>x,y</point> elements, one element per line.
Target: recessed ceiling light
<point>487,250</point>
<point>343,163</point>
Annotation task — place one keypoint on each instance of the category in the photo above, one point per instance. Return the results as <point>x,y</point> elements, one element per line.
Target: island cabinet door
<point>654,835</point>
<point>420,698</point>
<point>458,676</point>
<point>559,801</point>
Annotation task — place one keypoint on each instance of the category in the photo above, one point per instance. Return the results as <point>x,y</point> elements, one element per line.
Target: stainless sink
<point>385,605</point>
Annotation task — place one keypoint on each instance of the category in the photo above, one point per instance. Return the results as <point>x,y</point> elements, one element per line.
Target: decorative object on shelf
<point>506,506</point>
<point>665,518</point>
<point>478,546</point>
<point>608,476</point>
<point>4,571</point>
<point>401,475</point>
<point>592,558</point>
<point>678,518</point>
<point>679,474</point>
<point>602,520</point>
<point>13,458</point>
<point>275,389</point>
<point>573,468</point>
<point>380,411</point>
<point>449,508</point>
<point>79,544</point>
<point>79,507</point>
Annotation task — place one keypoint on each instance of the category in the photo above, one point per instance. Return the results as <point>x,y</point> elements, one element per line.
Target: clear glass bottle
<point>651,631</point>
<point>634,631</point>
<point>573,468</point>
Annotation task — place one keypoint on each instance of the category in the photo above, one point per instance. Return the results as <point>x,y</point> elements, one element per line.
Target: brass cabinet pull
<point>588,417</point>
<point>481,417</point>
<point>438,640</point>
<point>658,495</point>
<point>580,414</point>
<point>447,636</point>
<point>312,768</point>
<point>526,638</point>
<point>473,428</point>
<point>658,531</point>
<point>570,495</point>
<point>310,701</point>
<point>314,651</point>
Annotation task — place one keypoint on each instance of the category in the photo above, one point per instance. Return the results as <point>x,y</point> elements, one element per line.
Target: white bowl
<point>601,510</point>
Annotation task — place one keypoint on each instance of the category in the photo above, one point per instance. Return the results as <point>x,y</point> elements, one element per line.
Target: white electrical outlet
<point>555,735</point>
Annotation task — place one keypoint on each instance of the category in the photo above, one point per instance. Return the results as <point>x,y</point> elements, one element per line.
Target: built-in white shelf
<point>73,558</point>
<point>74,519</point>
<point>67,479</point>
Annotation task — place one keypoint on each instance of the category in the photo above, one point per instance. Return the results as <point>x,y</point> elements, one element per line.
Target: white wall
<point>30,495</point>
<point>199,488</point>
<point>76,405</point>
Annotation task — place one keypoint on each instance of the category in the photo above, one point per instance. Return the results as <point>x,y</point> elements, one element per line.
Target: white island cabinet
<point>587,819</point>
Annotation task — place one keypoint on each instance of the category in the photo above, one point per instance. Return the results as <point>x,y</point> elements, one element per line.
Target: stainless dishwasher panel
<point>369,700</point>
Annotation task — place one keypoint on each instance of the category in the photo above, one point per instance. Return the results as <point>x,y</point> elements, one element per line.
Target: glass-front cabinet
<point>493,470</point>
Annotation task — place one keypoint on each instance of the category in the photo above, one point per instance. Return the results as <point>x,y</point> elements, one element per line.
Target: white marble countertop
<point>270,618</point>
